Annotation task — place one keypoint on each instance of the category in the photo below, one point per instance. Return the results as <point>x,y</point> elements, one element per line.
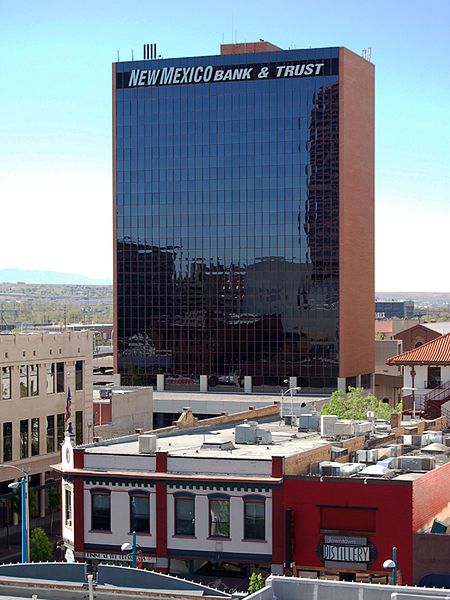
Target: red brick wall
<point>431,494</point>
<point>248,48</point>
<point>356,215</point>
<point>410,337</point>
<point>431,554</point>
<point>102,413</point>
<point>393,501</point>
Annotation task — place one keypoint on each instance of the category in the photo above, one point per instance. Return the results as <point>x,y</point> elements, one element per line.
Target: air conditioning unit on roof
<point>147,444</point>
<point>416,463</point>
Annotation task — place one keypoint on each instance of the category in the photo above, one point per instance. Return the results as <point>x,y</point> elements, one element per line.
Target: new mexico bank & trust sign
<point>217,74</point>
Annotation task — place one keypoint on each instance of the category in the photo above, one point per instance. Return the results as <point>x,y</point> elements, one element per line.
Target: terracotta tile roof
<point>383,327</point>
<point>435,352</point>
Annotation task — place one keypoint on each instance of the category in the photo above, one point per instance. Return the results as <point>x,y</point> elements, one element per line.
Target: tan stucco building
<point>36,373</point>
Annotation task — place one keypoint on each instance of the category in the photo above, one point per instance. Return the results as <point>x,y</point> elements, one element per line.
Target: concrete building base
<point>203,383</point>
<point>160,383</point>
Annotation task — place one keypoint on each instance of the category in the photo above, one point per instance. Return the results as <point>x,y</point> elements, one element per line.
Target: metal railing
<point>441,392</point>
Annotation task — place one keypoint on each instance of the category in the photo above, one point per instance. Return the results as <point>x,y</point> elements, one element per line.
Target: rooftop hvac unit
<point>426,438</point>
<point>377,471</point>
<point>217,444</point>
<point>366,456</point>
<point>446,441</point>
<point>435,448</point>
<point>392,450</point>
<point>327,423</point>
<point>245,433</point>
<point>382,427</point>
<point>335,469</point>
<point>337,452</point>
<point>290,420</point>
<point>389,463</point>
<point>362,427</point>
<point>308,422</point>
<point>416,463</point>
<point>344,428</point>
<point>263,436</point>
<point>147,444</point>
<point>411,440</point>
<point>349,469</point>
<point>330,469</point>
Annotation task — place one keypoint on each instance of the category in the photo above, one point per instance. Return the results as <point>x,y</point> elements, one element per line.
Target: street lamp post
<point>291,390</point>
<point>392,564</point>
<point>133,547</point>
<point>23,484</point>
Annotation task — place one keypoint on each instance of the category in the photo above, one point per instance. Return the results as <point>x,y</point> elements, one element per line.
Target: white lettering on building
<point>201,74</point>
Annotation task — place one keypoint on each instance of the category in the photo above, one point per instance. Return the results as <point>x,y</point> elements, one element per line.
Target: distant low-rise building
<point>421,333</point>
<point>387,309</point>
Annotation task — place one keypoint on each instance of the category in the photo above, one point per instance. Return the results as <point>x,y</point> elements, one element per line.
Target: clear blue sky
<point>55,117</point>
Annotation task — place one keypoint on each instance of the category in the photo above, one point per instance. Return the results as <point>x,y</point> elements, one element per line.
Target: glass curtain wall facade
<point>227,220</point>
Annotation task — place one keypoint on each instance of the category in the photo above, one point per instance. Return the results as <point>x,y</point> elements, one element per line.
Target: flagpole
<point>68,413</point>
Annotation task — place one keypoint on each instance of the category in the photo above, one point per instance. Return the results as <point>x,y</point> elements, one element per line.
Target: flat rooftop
<point>211,441</point>
<point>206,403</point>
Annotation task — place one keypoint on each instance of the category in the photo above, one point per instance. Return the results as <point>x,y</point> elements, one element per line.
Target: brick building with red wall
<point>332,517</point>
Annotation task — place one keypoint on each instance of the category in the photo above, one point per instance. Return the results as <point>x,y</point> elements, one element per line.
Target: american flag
<point>68,406</point>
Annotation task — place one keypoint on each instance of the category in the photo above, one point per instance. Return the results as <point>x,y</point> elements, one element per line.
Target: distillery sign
<point>217,74</point>
<point>349,552</point>
<point>346,553</point>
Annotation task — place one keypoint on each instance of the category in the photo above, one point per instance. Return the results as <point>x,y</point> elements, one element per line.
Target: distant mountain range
<point>48,277</point>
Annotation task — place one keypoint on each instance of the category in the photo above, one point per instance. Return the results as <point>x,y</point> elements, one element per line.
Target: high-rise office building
<point>243,217</point>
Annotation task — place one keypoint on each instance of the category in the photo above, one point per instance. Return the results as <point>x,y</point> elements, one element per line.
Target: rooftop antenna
<point>369,54</point>
<point>364,53</point>
<point>132,54</point>
<point>118,56</point>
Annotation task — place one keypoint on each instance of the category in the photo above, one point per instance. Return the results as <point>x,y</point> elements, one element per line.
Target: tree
<point>256,582</point>
<point>355,404</point>
<point>32,501</point>
<point>40,548</point>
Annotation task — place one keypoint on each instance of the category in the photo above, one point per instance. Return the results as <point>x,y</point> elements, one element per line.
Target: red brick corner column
<point>78,506</point>
<point>162,560</point>
<point>278,524</point>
